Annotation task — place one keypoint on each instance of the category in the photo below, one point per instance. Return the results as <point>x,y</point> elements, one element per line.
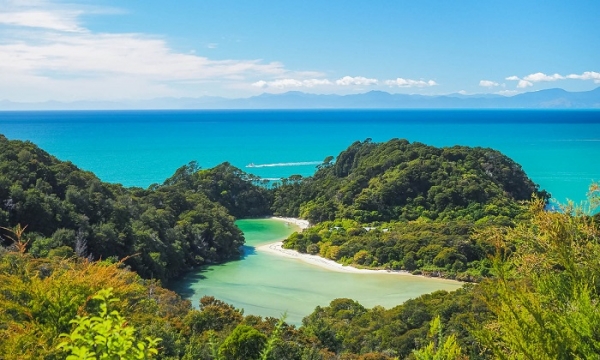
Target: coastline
<point>276,248</point>
<point>301,224</point>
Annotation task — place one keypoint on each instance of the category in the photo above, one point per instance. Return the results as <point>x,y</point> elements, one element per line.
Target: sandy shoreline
<point>276,248</point>
<point>302,224</point>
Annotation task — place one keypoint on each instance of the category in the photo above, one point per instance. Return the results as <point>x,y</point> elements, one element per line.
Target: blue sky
<point>142,49</point>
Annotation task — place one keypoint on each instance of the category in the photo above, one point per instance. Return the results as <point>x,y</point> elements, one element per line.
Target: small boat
<point>251,165</point>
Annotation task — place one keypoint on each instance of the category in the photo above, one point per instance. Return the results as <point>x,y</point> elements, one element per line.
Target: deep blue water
<point>557,149</point>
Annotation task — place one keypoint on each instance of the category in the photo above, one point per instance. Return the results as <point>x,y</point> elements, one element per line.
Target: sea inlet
<point>266,284</point>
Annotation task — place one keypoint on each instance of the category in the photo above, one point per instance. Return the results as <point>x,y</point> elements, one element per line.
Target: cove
<point>265,284</point>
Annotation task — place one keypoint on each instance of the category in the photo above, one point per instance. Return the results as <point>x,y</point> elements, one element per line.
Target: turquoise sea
<point>557,149</point>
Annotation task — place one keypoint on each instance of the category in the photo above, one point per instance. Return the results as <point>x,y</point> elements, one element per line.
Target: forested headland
<point>82,261</point>
<point>407,206</point>
<point>163,231</point>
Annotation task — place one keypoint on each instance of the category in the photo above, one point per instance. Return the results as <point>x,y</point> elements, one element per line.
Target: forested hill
<point>236,190</point>
<point>398,180</point>
<point>166,229</point>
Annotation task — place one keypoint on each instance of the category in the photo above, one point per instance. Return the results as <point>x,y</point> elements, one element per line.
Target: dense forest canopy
<point>398,180</point>
<point>69,239</point>
<point>407,206</point>
<point>170,228</point>
<point>395,187</point>
<point>542,304</point>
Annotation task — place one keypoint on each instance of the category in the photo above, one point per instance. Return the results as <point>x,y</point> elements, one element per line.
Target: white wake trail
<point>300,163</point>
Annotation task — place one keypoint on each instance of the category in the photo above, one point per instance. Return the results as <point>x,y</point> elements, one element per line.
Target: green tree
<point>106,336</point>
<point>245,342</point>
<point>546,295</point>
<point>439,348</point>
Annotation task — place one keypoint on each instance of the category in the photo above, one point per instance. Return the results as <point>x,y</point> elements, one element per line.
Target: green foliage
<point>546,295</point>
<point>40,297</point>
<point>397,180</point>
<point>245,342</point>
<point>345,327</point>
<point>213,315</point>
<point>172,227</point>
<point>436,248</point>
<point>106,335</point>
<point>236,190</point>
<point>439,348</point>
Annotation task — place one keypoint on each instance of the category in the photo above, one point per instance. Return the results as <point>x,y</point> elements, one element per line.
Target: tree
<point>106,336</point>
<point>547,292</point>
<point>245,342</point>
<point>439,348</point>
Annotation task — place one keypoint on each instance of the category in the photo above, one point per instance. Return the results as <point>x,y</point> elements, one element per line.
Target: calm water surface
<point>269,285</point>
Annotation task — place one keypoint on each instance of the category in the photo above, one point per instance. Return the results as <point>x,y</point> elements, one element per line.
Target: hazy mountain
<point>551,98</point>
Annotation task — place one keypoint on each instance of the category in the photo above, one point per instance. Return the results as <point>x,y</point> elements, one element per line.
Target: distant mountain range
<point>551,98</point>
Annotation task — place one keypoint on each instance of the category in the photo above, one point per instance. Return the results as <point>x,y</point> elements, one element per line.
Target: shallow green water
<point>269,285</point>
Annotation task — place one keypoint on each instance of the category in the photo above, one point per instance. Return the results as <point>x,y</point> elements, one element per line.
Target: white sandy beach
<point>302,224</point>
<point>276,248</point>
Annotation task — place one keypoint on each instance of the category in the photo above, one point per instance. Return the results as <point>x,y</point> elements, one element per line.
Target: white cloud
<point>400,82</point>
<point>537,77</point>
<point>88,54</point>
<point>261,84</point>
<point>39,14</point>
<point>488,83</point>
<point>530,79</point>
<point>588,75</point>
<point>523,84</point>
<point>47,53</point>
<point>507,92</point>
<point>356,80</point>
<point>59,21</point>
<point>290,83</point>
<point>212,45</point>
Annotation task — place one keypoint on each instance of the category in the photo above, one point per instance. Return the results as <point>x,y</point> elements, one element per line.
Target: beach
<point>301,224</point>
<point>276,248</point>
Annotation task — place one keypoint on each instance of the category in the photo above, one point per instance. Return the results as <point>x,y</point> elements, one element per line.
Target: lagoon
<point>269,285</point>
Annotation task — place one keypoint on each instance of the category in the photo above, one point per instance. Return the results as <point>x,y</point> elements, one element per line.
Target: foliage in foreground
<point>107,335</point>
<point>440,347</point>
<point>546,295</point>
<point>39,298</point>
<point>543,304</point>
<point>346,327</point>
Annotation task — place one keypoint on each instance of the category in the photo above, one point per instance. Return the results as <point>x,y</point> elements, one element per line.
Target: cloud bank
<point>408,83</point>
<point>45,49</point>
<point>530,79</point>
<point>346,81</point>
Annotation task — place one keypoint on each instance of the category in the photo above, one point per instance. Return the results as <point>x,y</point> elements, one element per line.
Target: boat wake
<point>301,163</point>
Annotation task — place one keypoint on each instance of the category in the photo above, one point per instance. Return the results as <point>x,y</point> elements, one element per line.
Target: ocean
<point>558,149</point>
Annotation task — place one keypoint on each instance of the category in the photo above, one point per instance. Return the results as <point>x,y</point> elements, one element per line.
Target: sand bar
<point>276,248</point>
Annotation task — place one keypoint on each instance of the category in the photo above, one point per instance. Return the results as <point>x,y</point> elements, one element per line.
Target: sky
<point>144,49</point>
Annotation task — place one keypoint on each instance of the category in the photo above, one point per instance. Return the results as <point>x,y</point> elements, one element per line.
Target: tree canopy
<point>163,231</point>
